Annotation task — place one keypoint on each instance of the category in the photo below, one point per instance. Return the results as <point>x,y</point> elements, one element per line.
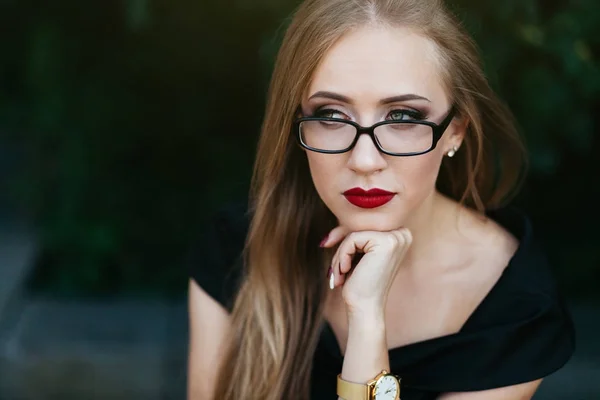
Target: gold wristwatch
<point>384,386</point>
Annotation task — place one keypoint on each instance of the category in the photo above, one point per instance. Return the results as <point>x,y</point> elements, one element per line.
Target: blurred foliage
<point>139,117</point>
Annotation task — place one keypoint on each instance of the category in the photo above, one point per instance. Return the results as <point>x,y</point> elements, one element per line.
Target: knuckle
<point>346,244</point>
<point>408,238</point>
<point>393,240</point>
<point>403,237</point>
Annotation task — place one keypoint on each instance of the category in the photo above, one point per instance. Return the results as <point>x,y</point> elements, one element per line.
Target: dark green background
<point>124,124</point>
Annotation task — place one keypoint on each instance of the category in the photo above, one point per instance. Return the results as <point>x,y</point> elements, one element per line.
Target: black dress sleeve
<point>215,259</point>
<point>521,332</point>
<point>533,342</point>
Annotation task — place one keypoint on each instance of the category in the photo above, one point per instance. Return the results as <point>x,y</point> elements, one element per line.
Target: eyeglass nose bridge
<point>360,130</point>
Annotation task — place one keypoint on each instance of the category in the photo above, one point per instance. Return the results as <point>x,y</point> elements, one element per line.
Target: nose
<point>365,157</point>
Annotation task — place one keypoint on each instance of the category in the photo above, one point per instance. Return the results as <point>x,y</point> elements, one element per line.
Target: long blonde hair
<point>277,315</point>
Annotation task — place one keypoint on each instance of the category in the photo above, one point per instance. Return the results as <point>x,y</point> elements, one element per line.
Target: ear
<point>458,131</point>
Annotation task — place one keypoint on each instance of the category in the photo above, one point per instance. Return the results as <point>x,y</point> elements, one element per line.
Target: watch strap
<point>353,391</point>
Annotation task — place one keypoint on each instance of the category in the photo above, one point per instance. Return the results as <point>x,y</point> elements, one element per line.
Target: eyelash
<point>414,114</point>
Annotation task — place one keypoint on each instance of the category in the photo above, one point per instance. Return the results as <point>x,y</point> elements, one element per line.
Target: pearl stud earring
<point>452,152</point>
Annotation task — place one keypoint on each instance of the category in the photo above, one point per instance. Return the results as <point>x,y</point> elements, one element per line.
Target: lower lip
<point>370,201</point>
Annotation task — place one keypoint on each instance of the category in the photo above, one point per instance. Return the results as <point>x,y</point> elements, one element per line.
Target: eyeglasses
<point>394,138</point>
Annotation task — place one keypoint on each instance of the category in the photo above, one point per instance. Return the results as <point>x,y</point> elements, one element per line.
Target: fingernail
<point>331,281</point>
<point>322,244</point>
<point>329,272</point>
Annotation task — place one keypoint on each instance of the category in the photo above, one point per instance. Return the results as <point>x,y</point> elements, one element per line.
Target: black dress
<point>520,332</point>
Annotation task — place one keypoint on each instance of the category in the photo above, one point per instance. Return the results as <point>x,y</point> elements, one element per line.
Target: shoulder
<point>215,259</point>
<point>528,269</point>
<point>502,244</point>
<point>520,331</point>
<point>505,256</point>
<point>478,249</point>
<point>524,313</point>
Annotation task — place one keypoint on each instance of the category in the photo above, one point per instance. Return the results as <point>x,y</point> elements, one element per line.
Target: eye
<point>330,113</point>
<point>406,115</point>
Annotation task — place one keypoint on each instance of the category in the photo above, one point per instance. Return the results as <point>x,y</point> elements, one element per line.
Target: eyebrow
<point>345,99</point>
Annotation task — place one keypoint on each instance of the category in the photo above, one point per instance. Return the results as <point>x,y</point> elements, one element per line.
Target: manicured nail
<point>322,244</point>
<point>331,282</point>
<point>329,272</point>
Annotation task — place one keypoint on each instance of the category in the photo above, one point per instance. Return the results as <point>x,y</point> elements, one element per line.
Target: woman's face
<point>355,81</point>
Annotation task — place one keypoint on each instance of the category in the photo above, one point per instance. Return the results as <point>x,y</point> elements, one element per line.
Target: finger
<point>337,276</point>
<point>335,236</point>
<point>357,244</point>
<point>404,237</point>
<point>341,279</point>
<point>351,250</point>
<point>331,279</point>
<point>333,272</point>
<point>346,257</point>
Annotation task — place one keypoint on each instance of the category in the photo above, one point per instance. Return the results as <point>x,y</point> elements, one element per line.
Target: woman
<point>378,260</point>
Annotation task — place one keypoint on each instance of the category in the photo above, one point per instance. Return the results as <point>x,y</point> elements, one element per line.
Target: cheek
<point>419,173</point>
<point>325,169</point>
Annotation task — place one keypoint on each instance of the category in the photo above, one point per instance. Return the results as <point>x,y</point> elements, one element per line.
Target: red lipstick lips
<point>368,198</point>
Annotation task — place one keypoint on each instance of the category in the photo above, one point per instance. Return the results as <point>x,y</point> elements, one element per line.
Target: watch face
<point>386,388</point>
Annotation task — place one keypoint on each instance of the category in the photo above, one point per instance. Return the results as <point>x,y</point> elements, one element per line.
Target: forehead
<point>378,62</point>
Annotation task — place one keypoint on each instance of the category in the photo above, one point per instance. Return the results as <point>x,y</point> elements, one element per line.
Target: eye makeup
<point>337,112</point>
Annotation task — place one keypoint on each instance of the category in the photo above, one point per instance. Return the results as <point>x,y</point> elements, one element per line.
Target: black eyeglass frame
<point>438,132</point>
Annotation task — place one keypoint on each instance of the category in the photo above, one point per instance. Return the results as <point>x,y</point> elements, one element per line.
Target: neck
<point>427,224</point>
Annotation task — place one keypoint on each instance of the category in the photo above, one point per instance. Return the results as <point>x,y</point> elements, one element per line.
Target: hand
<point>366,284</point>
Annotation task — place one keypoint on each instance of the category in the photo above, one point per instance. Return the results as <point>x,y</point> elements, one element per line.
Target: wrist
<point>369,326</point>
<point>366,316</point>
<point>366,347</point>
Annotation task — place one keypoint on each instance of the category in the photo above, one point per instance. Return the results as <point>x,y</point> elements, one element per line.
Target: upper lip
<point>371,192</point>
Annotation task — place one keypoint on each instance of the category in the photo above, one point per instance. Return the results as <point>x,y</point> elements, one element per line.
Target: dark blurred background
<point>126,124</point>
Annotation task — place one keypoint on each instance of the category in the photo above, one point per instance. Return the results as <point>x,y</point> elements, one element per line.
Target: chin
<point>371,221</point>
